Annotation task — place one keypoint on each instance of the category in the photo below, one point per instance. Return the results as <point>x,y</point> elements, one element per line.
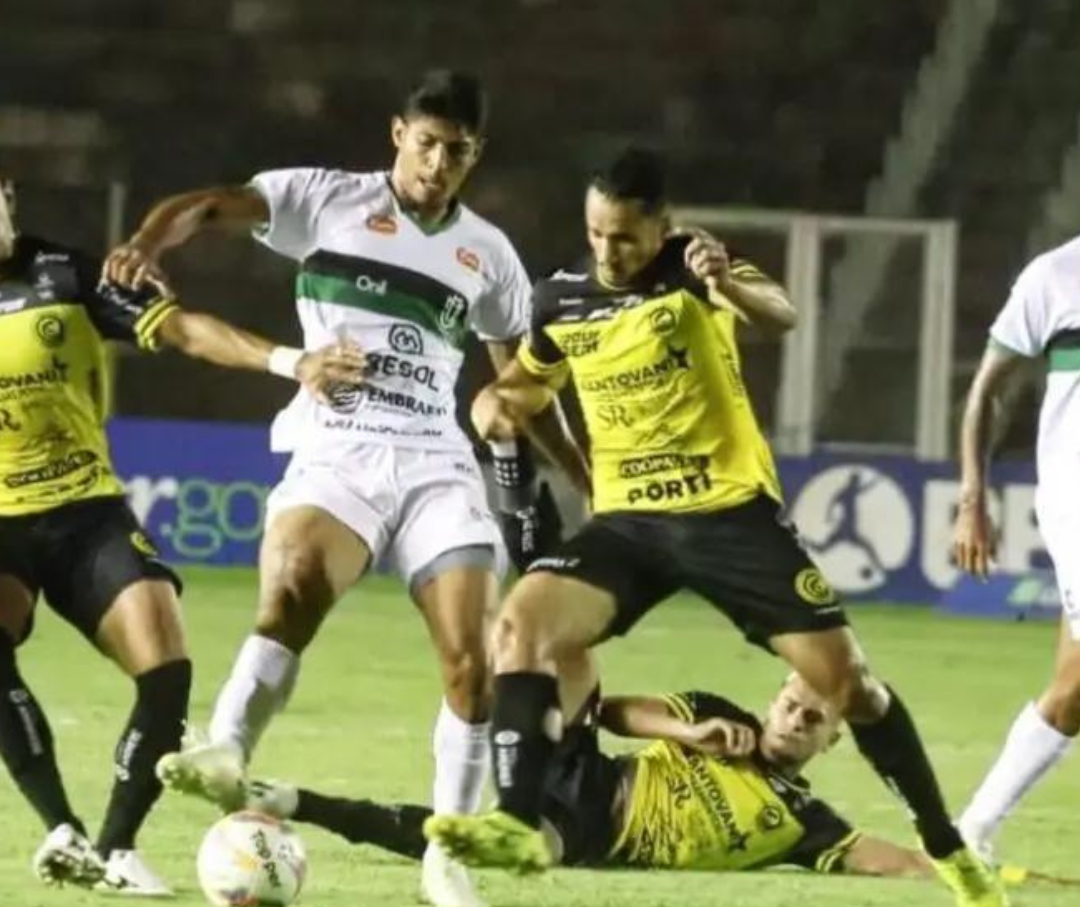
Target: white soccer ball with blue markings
<point>249,859</point>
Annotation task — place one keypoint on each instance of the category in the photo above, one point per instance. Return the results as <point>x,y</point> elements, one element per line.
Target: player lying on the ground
<point>718,789</point>
<point>685,496</point>
<point>67,532</point>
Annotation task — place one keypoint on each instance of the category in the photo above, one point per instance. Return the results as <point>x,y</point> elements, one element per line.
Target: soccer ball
<point>249,859</point>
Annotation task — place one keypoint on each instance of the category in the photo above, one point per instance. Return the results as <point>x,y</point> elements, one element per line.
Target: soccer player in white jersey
<point>1041,319</point>
<point>395,267</point>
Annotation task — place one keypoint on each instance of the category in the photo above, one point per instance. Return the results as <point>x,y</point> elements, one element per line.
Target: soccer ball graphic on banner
<point>249,859</point>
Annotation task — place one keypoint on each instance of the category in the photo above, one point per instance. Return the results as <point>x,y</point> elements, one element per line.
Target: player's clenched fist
<point>322,370</point>
<point>706,257</point>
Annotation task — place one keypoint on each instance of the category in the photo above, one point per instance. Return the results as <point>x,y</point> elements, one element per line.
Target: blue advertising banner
<point>878,526</point>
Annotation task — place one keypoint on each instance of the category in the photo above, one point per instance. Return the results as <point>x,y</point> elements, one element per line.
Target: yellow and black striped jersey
<point>687,810</point>
<point>54,315</point>
<point>656,367</point>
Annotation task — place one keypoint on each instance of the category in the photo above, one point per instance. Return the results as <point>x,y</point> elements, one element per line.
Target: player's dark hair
<point>451,95</point>
<point>634,174</point>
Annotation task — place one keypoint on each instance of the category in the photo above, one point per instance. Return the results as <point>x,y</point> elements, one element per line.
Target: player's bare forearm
<point>175,220</point>
<point>870,856</point>
<point>982,410</point>
<point>503,408</point>
<point>549,431</point>
<point>203,336</point>
<point>640,717</point>
<point>761,302</point>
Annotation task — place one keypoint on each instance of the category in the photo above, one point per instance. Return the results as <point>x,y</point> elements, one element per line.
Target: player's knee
<point>854,692</point>
<point>519,640</point>
<point>465,682</point>
<point>296,595</point>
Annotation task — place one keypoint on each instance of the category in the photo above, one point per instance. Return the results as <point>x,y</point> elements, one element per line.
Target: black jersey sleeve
<point>698,706</point>
<point>826,840</point>
<point>120,313</point>
<point>538,354</point>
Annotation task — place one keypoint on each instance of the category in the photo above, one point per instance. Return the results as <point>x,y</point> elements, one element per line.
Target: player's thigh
<point>597,584</point>
<point>142,629</point>
<point>747,563</point>
<point>107,580</point>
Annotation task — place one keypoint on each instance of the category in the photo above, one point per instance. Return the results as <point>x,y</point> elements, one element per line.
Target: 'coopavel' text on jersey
<point>408,296</point>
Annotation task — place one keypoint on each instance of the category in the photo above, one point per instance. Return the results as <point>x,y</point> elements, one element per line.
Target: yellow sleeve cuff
<point>553,374</point>
<point>680,707</point>
<point>148,323</point>
<point>828,860</point>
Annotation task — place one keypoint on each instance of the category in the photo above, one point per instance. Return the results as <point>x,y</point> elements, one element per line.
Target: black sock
<point>26,745</point>
<point>893,747</point>
<point>155,728</point>
<point>396,827</point>
<point>521,746</point>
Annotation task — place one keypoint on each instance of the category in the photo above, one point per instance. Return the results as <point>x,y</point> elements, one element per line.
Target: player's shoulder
<point>37,252</point>
<point>485,239</point>
<point>1060,263</point>
<point>326,181</point>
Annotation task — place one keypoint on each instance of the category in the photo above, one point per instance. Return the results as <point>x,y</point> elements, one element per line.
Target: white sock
<point>259,686</point>
<point>1030,750</point>
<point>462,758</point>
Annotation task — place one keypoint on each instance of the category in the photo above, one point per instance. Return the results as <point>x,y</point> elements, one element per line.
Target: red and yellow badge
<point>468,258</point>
<point>382,223</point>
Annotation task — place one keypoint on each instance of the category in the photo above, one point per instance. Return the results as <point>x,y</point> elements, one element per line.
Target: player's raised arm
<point>175,220</point>
<point>973,535</point>
<point>738,285</point>
<point>656,718</point>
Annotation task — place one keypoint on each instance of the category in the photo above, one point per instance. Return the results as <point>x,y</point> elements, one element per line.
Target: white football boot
<point>444,882</point>
<point>67,857</point>
<point>271,798</point>
<point>126,873</point>
<point>212,771</point>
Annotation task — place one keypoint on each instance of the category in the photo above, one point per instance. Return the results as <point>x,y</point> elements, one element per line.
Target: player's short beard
<point>7,229</point>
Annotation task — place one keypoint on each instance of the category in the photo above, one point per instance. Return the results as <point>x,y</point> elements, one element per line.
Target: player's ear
<point>398,128</point>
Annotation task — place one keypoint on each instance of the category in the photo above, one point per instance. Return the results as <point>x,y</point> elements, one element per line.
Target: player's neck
<point>428,216</point>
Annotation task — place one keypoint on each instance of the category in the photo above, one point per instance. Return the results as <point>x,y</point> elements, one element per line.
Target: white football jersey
<point>1042,317</point>
<point>408,296</point>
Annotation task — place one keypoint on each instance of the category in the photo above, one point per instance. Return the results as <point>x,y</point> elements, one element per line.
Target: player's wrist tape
<point>284,360</point>
<point>515,476</point>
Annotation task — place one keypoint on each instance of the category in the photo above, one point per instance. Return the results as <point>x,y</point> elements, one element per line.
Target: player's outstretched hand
<point>974,544</point>
<point>130,265</point>
<point>492,416</point>
<point>321,371</point>
<point>720,737</point>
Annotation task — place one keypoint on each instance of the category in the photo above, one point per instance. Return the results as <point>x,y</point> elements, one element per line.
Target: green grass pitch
<point>360,724</point>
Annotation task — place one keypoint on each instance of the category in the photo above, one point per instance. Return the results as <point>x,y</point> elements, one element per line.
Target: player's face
<point>7,219</point>
<point>434,157</point>
<point>800,725</point>
<point>624,238</point>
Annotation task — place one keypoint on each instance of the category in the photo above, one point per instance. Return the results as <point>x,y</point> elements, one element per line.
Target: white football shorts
<point>411,507</point>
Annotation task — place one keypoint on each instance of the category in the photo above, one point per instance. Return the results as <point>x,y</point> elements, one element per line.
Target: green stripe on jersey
<point>387,289</point>
<point>1065,359</point>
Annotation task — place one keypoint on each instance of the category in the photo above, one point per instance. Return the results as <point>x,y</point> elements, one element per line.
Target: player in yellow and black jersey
<point>685,496</point>
<point>67,532</point>
<point>714,789</point>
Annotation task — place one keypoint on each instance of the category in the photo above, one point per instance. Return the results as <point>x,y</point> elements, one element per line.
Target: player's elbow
<point>179,332</point>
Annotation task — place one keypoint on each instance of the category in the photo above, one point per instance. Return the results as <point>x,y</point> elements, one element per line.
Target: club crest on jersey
<point>663,320</point>
<point>50,331</point>
<point>469,259</point>
<point>382,223</point>
<point>452,316</point>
